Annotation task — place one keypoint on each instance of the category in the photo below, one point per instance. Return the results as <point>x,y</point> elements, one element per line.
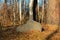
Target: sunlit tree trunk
<point>30,9</point>
<point>20,13</point>
<point>53,12</point>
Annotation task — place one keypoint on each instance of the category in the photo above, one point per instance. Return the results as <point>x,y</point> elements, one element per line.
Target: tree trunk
<point>30,9</point>
<point>53,12</point>
<point>20,13</point>
<point>34,10</point>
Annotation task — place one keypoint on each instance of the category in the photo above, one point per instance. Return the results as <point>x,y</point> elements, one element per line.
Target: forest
<point>29,19</point>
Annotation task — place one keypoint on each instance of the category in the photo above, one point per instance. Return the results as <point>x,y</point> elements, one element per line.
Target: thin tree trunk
<point>34,10</point>
<point>24,10</point>
<point>38,11</point>
<point>17,15</point>
<point>14,12</point>
<point>20,13</point>
<point>45,11</point>
<point>42,12</point>
<point>30,9</point>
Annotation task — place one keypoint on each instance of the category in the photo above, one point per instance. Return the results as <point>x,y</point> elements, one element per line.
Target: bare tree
<point>20,13</point>
<point>30,9</point>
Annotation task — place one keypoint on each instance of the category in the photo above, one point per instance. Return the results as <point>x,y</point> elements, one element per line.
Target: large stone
<point>30,25</point>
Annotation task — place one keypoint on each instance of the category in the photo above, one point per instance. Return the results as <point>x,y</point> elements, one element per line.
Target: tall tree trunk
<point>24,10</point>
<point>37,10</point>
<point>53,12</point>
<point>20,13</point>
<point>34,10</point>
<point>44,11</point>
<point>30,9</point>
<point>15,9</point>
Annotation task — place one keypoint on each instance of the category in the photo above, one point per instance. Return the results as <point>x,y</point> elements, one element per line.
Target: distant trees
<point>10,12</point>
<point>20,13</point>
<point>5,14</point>
<point>15,11</point>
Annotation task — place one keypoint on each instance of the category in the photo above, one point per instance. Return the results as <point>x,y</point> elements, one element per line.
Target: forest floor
<point>56,36</point>
<point>51,32</point>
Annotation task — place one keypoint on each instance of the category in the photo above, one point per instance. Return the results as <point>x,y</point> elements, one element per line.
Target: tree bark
<point>53,12</point>
<point>34,10</point>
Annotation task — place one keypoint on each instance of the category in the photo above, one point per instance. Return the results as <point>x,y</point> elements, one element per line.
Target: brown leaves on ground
<point>32,35</point>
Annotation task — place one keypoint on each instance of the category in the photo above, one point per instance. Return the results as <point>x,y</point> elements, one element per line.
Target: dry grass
<point>32,35</point>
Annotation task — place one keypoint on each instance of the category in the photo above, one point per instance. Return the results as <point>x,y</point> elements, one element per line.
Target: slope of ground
<point>11,34</point>
<point>55,36</point>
